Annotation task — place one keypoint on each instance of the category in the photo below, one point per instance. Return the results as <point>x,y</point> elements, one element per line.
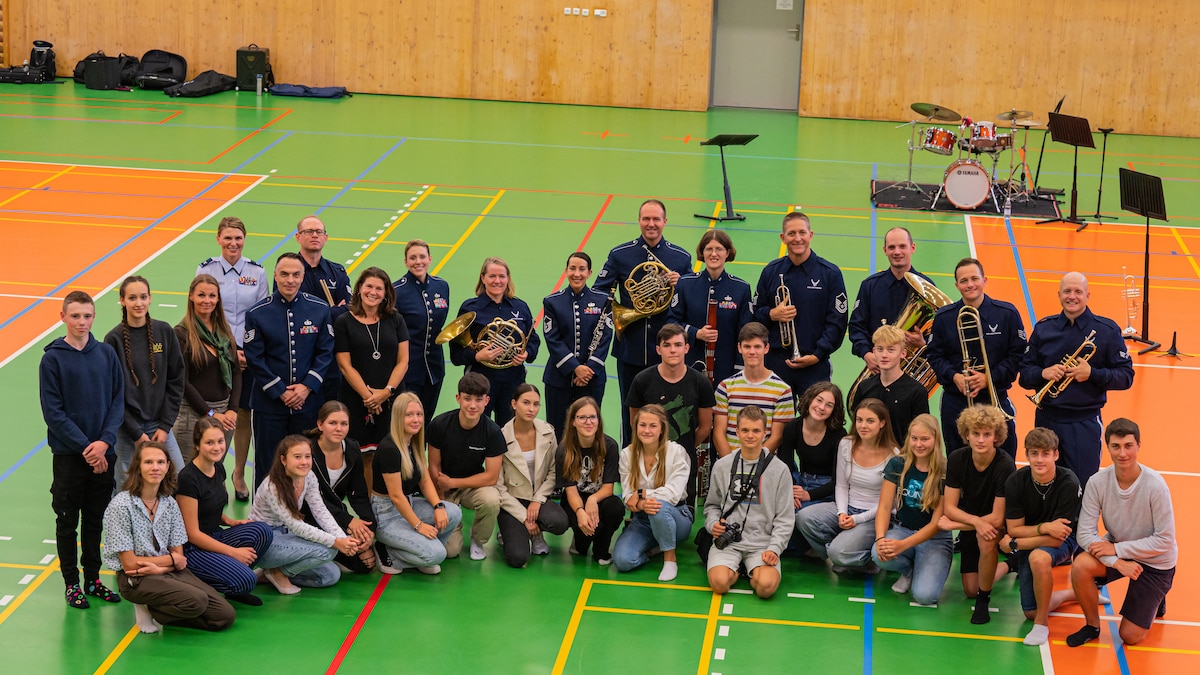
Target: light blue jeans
<point>847,548</point>
<point>665,529</point>
<point>928,563</point>
<point>305,562</point>
<point>125,447</point>
<point>406,546</point>
<point>810,482</point>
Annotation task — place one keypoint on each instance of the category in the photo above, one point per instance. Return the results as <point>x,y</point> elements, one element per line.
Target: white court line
<point>1165,622</point>
<point>26,579</point>
<point>127,168</point>
<point>802,596</point>
<point>1180,473</point>
<point>741,591</point>
<point>917,604</point>
<point>727,608</point>
<point>49,541</point>
<point>5,600</point>
<point>1159,365</point>
<point>5,538</point>
<point>970,235</point>
<point>869,601</point>
<point>719,654</point>
<point>31,297</point>
<point>46,560</point>
<point>1047,662</point>
<point>723,631</point>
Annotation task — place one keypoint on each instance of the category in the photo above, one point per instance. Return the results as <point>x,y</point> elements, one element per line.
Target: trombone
<point>787,329</point>
<point>1085,351</point>
<point>970,332</point>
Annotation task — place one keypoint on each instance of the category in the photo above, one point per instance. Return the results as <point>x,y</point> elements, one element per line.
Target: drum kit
<point>967,183</point>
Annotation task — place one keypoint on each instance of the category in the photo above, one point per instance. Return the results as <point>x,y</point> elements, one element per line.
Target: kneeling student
<point>748,478</point>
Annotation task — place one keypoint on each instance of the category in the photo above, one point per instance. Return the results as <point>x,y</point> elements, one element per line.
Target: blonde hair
<point>637,450</point>
<point>931,493</point>
<point>983,417</point>
<point>509,291</point>
<point>396,431</point>
<point>887,335</point>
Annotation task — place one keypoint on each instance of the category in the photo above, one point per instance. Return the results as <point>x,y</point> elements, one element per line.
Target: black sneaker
<point>98,590</point>
<point>76,598</point>
<point>1083,636</point>
<point>245,598</point>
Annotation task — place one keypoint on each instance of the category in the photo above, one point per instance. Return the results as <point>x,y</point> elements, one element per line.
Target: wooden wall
<point>1127,64</point>
<point>645,53</point>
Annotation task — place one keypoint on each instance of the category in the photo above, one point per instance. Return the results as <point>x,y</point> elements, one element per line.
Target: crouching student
<point>586,469</point>
<point>748,484</point>
<point>1041,511</point>
<point>913,544</point>
<point>300,554</point>
<point>144,538</point>
<point>527,481</point>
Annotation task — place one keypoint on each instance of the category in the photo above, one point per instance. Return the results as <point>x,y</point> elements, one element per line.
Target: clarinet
<point>598,332</point>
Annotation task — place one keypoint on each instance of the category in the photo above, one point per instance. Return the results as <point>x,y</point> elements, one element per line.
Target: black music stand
<point>1074,131</point>
<point>1143,194</point>
<point>721,141</point>
<point>1099,217</point>
<point>1046,193</point>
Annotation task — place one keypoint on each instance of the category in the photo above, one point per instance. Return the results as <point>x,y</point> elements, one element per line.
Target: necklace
<point>151,507</point>
<point>374,340</point>
<point>1038,487</point>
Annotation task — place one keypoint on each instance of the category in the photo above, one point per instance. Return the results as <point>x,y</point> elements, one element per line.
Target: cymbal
<point>937,112</point>
<point>1027,123</point>
<point>1014,114</point>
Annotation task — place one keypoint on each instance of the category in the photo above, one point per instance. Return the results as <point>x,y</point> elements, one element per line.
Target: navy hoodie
<point>83,395</point>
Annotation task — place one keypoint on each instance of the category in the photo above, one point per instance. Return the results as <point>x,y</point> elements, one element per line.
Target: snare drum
<point>983,135</point>
<point>967,184</point>
<point>939,141</point>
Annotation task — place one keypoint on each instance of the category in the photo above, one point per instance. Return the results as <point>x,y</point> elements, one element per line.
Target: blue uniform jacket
<point>334,276</point>
<point>287,343</point>
<point>485,310</point>
<point>881,296</point>
<point>1003,337</point>
<point>424,306</point>
<point>569,322</point>
<point>243,284</point>
<point>819,294</point>
<point>689,308</point>
<point>1054,337</point>
<point>635,345</point>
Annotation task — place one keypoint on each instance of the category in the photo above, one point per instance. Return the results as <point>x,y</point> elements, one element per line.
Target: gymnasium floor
<point>98,185</point>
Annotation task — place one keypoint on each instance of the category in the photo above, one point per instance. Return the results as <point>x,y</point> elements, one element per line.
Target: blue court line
<point>1012,243</point>
<point>1114,630</point>
<point>344,190</point>
<point>869,625</point>
<point>874,221</point>
<point>20,462</point>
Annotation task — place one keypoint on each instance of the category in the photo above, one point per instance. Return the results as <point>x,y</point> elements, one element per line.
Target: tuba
<point>970,333</point>
<point>917,314</point>
<point>1084,352</point>
<point>504,333</point>
<point>650,292</point>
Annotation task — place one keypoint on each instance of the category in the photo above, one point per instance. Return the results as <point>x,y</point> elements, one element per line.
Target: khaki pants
<point>185,425</point>
<point>485,502</point>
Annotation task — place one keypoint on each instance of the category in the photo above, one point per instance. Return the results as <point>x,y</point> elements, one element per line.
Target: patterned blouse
<point>127,527</point>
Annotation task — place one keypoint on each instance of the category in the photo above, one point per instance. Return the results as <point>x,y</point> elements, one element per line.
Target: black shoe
<point>1083,636</point>
<point>245,598</point>
<point>1162,609</point>
<point>76,598</point>
<point>96,589</point>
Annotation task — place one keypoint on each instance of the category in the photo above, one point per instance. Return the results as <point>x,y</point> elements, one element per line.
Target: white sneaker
<point>902,584</point>
<point>387,567</point>
<point>1038,636</point>
<point>477,552</point>
<point>540,547</point>
<point>145,622</point>
<point>670,570</point>
<point>432,569</point>
<point>605,562</point>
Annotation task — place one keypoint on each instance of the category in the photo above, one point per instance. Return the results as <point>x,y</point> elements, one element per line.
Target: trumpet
<point>650,292</point>
<point>970,332</point>
<point>787,329</point>
<point>503,333</point>
<point>1085,351</point>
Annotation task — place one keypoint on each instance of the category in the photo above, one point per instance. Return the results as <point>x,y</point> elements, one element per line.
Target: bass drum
<point>967,184</point>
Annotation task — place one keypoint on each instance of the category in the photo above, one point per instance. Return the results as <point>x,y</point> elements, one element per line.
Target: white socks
<point>670,570</point>
<point>1038,636</point>
<point>145,622</point>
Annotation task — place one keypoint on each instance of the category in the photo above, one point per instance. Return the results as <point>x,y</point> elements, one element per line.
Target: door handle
<point>795,31</point>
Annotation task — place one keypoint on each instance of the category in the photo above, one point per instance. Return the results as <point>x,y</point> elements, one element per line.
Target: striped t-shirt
<point>772,395</point>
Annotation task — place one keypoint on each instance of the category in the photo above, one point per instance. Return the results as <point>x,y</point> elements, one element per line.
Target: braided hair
<point>149,333</point>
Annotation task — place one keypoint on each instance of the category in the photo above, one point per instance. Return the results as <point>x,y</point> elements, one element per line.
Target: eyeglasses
<point>309,233</point>
<point>586,418</point>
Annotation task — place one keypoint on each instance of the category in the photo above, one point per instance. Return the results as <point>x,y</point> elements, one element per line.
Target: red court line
<point>562,277</point>
<point>119,102</point>
<point>252,134</point>
<point>86,119</point>
<point>358,625</point>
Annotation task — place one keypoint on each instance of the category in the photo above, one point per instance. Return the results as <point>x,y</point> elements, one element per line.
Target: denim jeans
<point>847,548</point>
<point>125,447</point>
<point>1059,555</point>
<point>665,529</point>
<point>928,563</point>
<point>306,562</point>
<point>407,547</point>
<point>810,482</point>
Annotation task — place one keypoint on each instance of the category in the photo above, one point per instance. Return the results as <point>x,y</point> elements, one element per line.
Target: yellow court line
<point>117,651</point>
<point>391,228</point>
<point>458,194</point>
<point>1163,650</point>
<point>785,622</point>
<point>1192,260</point>
<point>463,238</point>
<point>646,584</point>
<point>564,649</point>
<point>30,221</point>
<point>44,183</point>
<point>710,633</point>
<point>12,606</point>
<point>309,187</point>
<point>13,566</point>
<point>933,633</point>
<point>644,612</point>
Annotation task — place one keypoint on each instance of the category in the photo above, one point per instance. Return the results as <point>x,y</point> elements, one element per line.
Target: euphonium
<point>504,333</point>
<point>650,292</point>
<point>1085,351</point>
<point>970,332</point>
<point>787,329</point>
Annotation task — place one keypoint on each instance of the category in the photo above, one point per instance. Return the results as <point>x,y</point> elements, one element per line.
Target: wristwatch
<point>439,505</point>
<point>391,390</point>
<point>1012,545</point>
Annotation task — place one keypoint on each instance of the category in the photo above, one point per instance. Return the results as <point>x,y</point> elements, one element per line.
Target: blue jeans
<point>306,562</point>
<point>928,563</point>
<point>847,548</point>
<point>665,529</point>
<point>125,447</point>
<point>810,482</point>
<point>406,545</point>
<point>1059,555</point>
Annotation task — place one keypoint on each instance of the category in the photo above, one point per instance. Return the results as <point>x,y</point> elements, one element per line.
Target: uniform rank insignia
<point>547,325</point>
<point>439,302</point>
<point>248,281</point>
<point>308,328</point>
<point>249,336</point>
<point>727,303</point>
<point>840,303</point>
<point>592,309</point>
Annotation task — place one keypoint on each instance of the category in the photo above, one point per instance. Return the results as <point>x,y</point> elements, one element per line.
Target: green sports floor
<point>97,185</point>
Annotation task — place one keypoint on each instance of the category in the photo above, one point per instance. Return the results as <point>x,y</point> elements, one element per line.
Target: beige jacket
<point>515,483</point>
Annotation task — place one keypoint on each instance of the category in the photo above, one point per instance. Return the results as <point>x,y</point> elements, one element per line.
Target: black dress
<point>363,342</point>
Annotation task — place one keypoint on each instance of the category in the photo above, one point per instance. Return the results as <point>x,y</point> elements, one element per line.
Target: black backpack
<point>208,82</point>
<point>41,59</point>
<point>127,64</point>
<point>77,75</point>
<point>160,69</point>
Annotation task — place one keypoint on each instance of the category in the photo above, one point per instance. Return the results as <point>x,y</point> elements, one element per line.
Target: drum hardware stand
<point>721,141</point>
<point>908,183</point>
<point>1025,193</point>
<point>1142,194</point>
<point>1098,217</point>
<point>1076,132</point>
<point>1046,193</point>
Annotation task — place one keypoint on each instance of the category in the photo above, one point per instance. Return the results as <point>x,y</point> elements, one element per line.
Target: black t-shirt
<point>209,493</point>
<point>611,473</point>
<point>905,399</point>
<point>388,460</point>
<point>1062,498</point>
<point>912,492</point>
<point>682,400</point>
<point>818,460</point>
<point>361,340</point>
<point>979,488</point>
<point>464,450</point>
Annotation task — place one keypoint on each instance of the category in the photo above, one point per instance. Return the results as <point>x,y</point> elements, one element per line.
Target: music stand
<point>1142,194</point>
<point>1073,131</point>
<point>1045,193</point>
<point>721,141</point>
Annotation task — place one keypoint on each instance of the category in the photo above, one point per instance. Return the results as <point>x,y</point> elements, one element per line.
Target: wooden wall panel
<point>1121,64</point>
<point>645,53</point>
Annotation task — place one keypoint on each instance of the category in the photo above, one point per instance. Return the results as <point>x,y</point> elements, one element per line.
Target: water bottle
<point>1007,207</point>
<point>258,84</point>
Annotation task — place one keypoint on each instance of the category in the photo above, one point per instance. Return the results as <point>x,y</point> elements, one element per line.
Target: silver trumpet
<point>787,329</point>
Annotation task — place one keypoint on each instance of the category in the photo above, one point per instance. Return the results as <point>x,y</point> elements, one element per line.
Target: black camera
<point>731,535</point>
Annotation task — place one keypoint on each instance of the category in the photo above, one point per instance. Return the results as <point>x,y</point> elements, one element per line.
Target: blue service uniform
<point>424,306</point>
<point>285,343</point>
<point>819,295</point>
<point>1075,415</point>
<point>689,308</point>
<point>242,285</point>
<point>569,323</point>
<point>634,348</point>
<point>503,381</point>
<point>881,296</point>
<point>1003,339</point>
<point>333,276</point>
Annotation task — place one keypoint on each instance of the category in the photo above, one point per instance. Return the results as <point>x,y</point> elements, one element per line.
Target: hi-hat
<point>1014,114</point>
<point>937,112</point>
<point>1027,123</point>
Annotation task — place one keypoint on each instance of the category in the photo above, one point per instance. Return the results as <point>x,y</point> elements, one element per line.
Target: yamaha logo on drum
<point>971,171</point>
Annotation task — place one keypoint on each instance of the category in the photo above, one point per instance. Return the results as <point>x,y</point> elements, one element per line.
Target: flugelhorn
<point>787,329</point>
<point>970,331</point>
<point>503,333</point>
<point>1084,352</point>
<point>650,292</point>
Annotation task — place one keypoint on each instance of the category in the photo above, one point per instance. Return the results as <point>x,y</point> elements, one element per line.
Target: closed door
<point>756,53</point>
